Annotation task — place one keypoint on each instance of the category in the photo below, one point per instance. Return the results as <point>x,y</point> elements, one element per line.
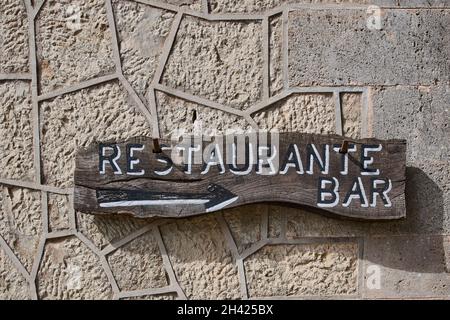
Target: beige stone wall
<point>76,72</point>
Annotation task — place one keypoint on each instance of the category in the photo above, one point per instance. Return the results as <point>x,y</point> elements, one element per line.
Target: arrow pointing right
<point>216,198</point>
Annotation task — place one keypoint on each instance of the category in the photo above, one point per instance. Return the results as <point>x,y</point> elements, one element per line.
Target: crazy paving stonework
<point>76,72</point>
<point>292,270</point>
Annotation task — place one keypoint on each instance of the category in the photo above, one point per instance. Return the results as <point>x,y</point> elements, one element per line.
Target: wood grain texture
<point>179,194</point>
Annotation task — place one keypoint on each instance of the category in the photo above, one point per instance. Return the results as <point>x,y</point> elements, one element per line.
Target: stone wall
<point>76,72</point>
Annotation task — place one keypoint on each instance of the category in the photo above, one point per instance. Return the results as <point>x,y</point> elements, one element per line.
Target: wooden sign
<point>362,179</point>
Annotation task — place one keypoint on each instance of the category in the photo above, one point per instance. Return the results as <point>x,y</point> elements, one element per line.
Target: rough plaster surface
<point>78,119</point>
<point>177,114</point>
<point>20,222</point>
<point>337,48</point>
<point>142,31</point>
<point>221,61</point>
<point>13,286</point>
<point>69,53</point>
<point>201,259</point>
<point>138,264</point>
<point>303,270</point>
<point>311,113</point>
<point>69,270</point>
<point>13,37</point>
<point>59,210</point>
<point>16,144</point>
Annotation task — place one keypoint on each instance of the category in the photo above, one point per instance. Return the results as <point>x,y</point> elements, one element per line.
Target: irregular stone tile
<point>408,267</point>
<point>446,247</point>
<point>20,222</point>
<point>258,6</point>
<point>310,113</point>
<point>301,223</point>
<point>188,4</point>
<point>245,224</point>
<point>154,297</point>
<point>303,270</point>
<point>142,31</point>
<point>421,116</point>
<point>221,61</point>
<point>351,107</point>
<point>225,6</point>
<point>69,271</point>
<point>13,285</point>
<point>58,212</point>
<point>103,230</point>
<point>178,114</point>
<point>73,41</point>
<point>78,119</point>
<point>201,259</point>
<point>428,198</point>
<point>138,265</point>
<point>14,49</point>
<point>337,47</point>
<point>276,54</point>
<point>16,145</point>
<point>424,3</point>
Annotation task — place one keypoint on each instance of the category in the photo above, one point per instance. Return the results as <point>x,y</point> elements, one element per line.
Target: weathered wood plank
<point>307,170</point>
